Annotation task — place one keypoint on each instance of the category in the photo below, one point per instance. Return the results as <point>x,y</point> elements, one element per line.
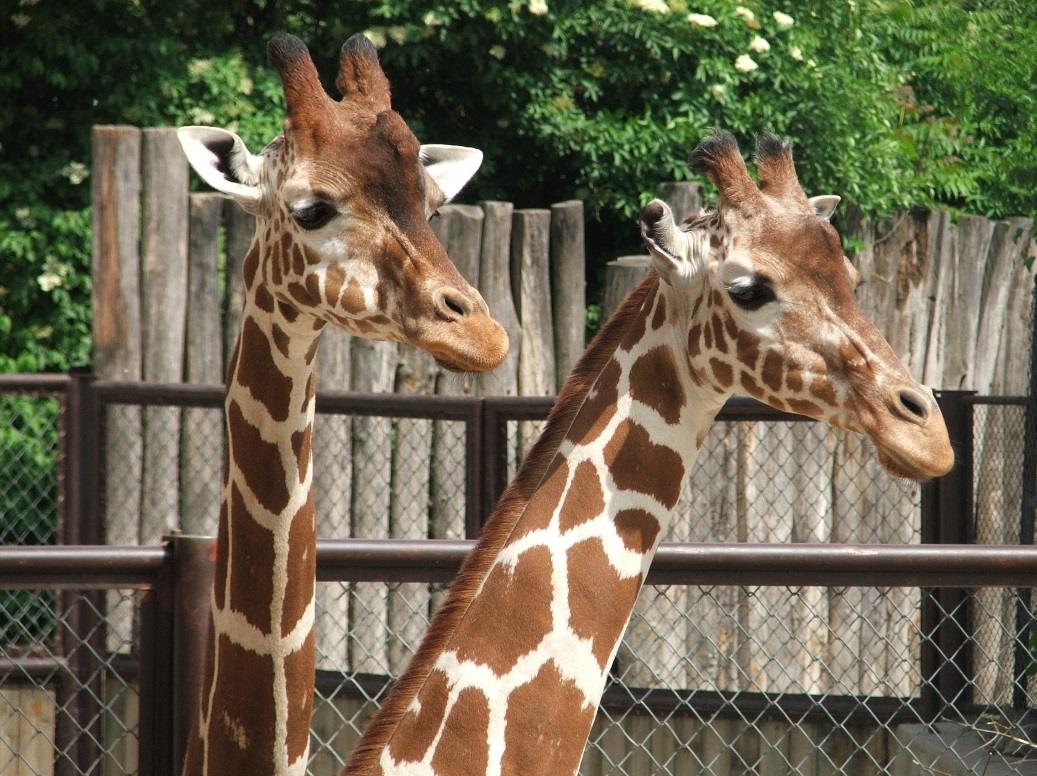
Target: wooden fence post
<point>495,286</point>
<point>622,276</point>
<point>239,227</point>
<point>683,197</point>
<point>568,286</point>
<point>117,338</point>
<point>201,462</point>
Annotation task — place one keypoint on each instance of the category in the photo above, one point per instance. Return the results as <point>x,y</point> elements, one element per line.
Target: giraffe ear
<point>824,205</point>
<point>222,160</point>
<point>665,242</point>
<point>451,167</point>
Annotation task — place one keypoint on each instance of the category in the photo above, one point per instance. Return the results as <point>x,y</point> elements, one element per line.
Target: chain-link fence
<point>710,679</point>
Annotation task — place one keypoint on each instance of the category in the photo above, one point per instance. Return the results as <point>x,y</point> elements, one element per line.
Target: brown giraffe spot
<point>463,747</point>
<point>660,312</point>
<point>313,287</point>
<point>722,372</point>
<point>220,574</point>
<point>264,301</point>
<point>239,667</point>
<point>773,370</point>
<point>301,295</point>
<point>258,460</point>
<point>312,257</point>
<point>775,402</point>
<point>654,381</point>
<point>287,312</point>
<point>251,585</point>
<point>638,464</point>
<point>302,567</point>
<point>301,445</point>
<point>750,385</point>
<point>251,265</point>
<point>599,406</point>
<point>794,379</point>
<point>600,601</point>
<point>718,334</point>
<point>537,515</point>
<point>694,337</point>
<point>729,325</point>
<point>280,339</point>
<point>584,501</point>
<point>637,528</point>
<point>511,615</point>
<point>379,320</point>
<point>638,326</point>
<point>695,307</point>
<point>748,349</point>
<point>274,260</point>
<point>824,391</point>
<point>298,262</point>
<point>298,674</point>
<point>311,351</point>
<point>416,731</point>
<point>707,336</point>
<point>804,407</point>
<point>334,279</point>
<point>547,725</point>
<point>353,299</point>
<point>715,240</point>
<point>258,372</point>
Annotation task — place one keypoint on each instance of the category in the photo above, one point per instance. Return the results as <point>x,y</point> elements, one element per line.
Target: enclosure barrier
<point>146,693</point>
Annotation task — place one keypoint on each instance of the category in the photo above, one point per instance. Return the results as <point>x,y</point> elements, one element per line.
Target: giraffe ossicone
<point>342,200</point>
<point>754,297</point>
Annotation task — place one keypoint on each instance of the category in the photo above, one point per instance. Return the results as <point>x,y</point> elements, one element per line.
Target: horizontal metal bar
<point>14,669</point>
<point>791,565</point>
<point>1012,401</point>
<point>431,560</point>
<point>34,383</point>
<point>79,566</point>
<point>397,405</point>
<point>175,394</point>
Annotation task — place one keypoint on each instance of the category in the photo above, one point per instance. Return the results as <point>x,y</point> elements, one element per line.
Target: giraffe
<point>342,200</point>
<point>753,297</point>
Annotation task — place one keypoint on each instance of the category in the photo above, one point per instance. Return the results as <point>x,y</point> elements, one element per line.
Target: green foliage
<point>599,100</point>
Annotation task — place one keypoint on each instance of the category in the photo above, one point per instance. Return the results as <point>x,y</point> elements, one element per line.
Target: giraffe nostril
<point>912,404</point>
<point>452,305</point>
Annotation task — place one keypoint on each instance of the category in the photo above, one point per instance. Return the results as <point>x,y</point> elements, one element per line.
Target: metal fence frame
<point>174,578</point>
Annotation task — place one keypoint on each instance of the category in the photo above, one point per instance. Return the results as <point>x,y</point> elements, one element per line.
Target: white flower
<point>76,172</point>
<point>21,20</point>
<point>538,7</point>
<point>377,37</point>
<point>759,45</point>
<point>748,17</point>
<point>783,20</point>
<point>201,116</point>
<point>432,19</point>
<point>719,92</point>
<point>811,63</point>
<point>24,216</point>
<point>652,6</point>
<point>53,274</point>
<point>197,67</point>
<point>48,281</point>
<point>796,53</point>
<point>398,33</point>
<point>245,87</point>
<point>702,20</point>
<point>498,51</point>
<point>745,64</point>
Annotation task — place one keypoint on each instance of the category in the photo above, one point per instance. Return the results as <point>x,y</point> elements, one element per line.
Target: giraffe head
<point>342,200</point>
<point>765,304</point>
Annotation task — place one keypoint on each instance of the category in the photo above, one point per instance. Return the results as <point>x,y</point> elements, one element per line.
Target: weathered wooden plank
<point>410,503</point>
<point>163,307</point>
<point>239,228</point>
<point>531,281</point>
<point>116,337</point>
<point>683,197</point>
<point>459,228</point>
<point>35,749</point>
<point>804,738</point>
<point>1010,370</point>
<point>495,286</point>
<point>716,747</point>
<point>568,285</point>
<point>973,241</point>
<point>11,759</point>
<point>774,748</point>
<point>121,729</point>
<point>333,488</point>
<point>201,462</point>
<point>621,277</point>
<point>374,371</point>
<point>942,241</point>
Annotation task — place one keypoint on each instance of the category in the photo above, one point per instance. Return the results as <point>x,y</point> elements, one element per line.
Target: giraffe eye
<point>752,296</point>
<point>314,215</point>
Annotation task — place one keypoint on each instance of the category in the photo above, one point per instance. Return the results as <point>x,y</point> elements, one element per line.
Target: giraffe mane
<point>498,528</point>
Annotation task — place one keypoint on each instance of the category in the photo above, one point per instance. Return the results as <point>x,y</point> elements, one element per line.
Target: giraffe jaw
<point>934,460</point>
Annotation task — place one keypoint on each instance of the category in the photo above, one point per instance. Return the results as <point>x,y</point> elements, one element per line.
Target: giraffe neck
<point>509,678</point>
<point>258,690</point>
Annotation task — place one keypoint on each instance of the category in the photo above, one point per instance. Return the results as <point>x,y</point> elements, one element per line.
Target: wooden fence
<point>953,298</point>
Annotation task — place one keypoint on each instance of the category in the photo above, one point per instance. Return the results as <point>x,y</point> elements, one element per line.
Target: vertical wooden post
<point>201,464</point>
<point>164,302</point>
<point>115,200</point>
<point>459,229</point>
<point>495,286</point>
<point>568,285</point>
<point>683,197</point>
<point>622,276</point>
